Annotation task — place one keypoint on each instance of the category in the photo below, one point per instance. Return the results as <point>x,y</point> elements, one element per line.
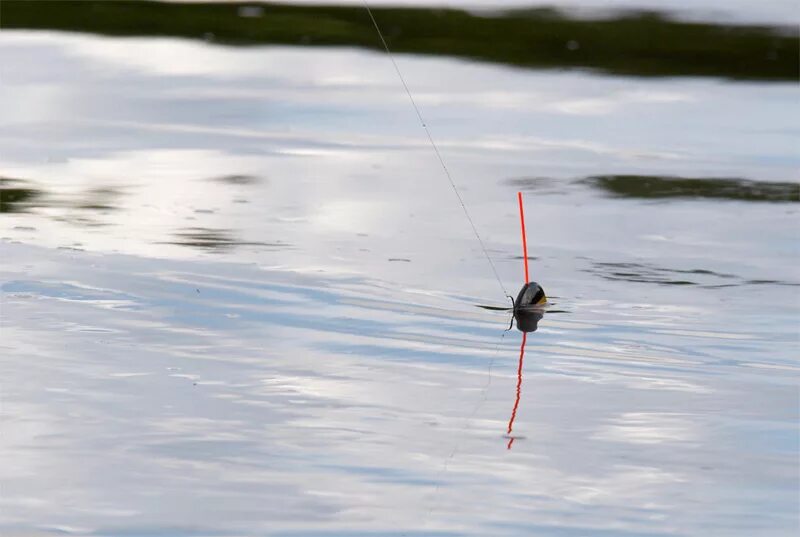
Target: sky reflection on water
<point>238,298</point>
<point>250,400</point>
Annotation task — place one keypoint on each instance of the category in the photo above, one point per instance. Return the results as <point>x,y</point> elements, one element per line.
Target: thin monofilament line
<point>435,149</point>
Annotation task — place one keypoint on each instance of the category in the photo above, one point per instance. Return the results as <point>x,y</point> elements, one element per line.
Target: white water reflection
<point>154,128</point>
<point>305,97</point>
<point>317,415</point>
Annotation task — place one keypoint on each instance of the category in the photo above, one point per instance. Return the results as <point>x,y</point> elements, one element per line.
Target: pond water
<point>239,296</point>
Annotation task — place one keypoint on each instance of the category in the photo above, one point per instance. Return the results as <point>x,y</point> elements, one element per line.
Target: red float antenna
<point>524,239</point>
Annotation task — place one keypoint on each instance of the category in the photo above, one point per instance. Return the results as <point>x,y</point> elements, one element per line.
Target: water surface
<point>239,296</point>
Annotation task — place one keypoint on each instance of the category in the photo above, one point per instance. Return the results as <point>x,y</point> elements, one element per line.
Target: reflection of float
<point>519,391</point>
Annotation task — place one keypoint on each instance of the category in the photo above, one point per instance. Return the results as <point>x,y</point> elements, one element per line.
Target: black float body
<point>529,307</point>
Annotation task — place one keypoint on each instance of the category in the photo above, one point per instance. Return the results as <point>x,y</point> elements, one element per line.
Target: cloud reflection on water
<point>310,392</point>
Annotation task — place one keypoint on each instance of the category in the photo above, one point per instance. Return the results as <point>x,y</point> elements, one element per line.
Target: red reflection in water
<point>519,389</point>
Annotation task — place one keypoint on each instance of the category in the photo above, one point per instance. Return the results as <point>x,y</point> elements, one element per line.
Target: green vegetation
<point>15,198</point>
<point>654,187</point>
<point>638,44</point>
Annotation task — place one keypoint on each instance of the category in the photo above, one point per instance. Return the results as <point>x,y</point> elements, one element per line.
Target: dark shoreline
<point>632,44</point>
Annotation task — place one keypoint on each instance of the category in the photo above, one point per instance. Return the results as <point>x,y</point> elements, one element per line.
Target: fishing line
<point>484,394</point>
<point>435,148</point>
<point>485,390</point>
